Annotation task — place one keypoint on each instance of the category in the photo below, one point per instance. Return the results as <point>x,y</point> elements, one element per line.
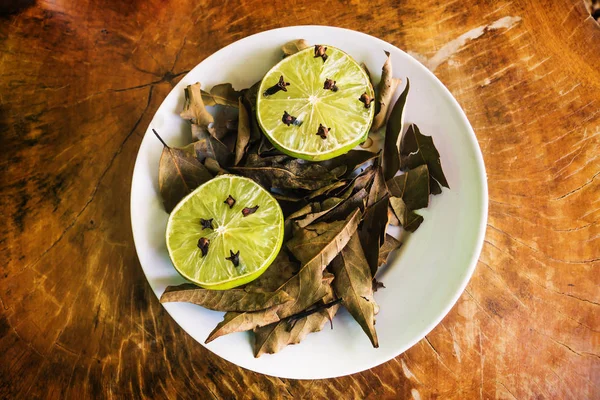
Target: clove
<point>281,85</point>
<point>249,210</point>
<point>203,244</point>
<point>230,201</point>
<point>320,51</point>
<point>364,98</point>
<point>206,223</point>
<point>234,258</point>
<point>288,119</point>
<point>329,84</point>
<point>323,131</point>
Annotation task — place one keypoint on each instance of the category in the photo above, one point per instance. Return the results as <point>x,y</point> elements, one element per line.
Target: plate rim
<point>483,215</point>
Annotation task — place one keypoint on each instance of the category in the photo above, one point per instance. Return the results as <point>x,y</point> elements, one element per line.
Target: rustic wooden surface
<point>79,84</point>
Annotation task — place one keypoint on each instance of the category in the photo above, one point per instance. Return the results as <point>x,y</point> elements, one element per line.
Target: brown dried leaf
<point>194,110</point>
<point>223,94</point>
<point>309,213</point>
<point>412,187</point>
<point>393,130</point>
<point>409,220</point>
<point>282,178</point>
<point>243,134</point>
<point>390,244</point>
<point>418,149</point>
<point>378,188</point>
<point>323,241</point>
<point>355,202</point>
<point>353,283</point>
<point>213,166</point>
<point>179,172</point>
<point>294,46</point>
<point>272,338</point>
<point>372,231</point>
<point>386,89</point>
<point>208,146</point>
<point>224,300</point>
<point>352,160</point>
<point>278,273</point>
<point>315,248</point>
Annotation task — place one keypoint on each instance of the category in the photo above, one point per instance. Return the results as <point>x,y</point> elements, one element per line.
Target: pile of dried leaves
<point>337,212</point>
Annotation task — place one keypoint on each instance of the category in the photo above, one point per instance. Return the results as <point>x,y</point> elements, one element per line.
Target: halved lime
<point>218,238</point>
<point>309,104</point>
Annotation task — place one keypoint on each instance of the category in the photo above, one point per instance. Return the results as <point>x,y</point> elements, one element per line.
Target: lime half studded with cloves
<point>316,104</point>
<point>225,233</point>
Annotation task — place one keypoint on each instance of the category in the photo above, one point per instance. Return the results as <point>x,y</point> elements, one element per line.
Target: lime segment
<point>257,236</point>
<point>306,99</point>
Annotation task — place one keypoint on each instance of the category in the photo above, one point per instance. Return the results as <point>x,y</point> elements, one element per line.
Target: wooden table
<point>79,84</point>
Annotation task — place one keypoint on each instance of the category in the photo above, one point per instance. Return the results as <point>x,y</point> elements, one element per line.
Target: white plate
<point>422,284</point>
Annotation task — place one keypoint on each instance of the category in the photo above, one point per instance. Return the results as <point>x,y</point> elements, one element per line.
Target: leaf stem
<point>161,139</point>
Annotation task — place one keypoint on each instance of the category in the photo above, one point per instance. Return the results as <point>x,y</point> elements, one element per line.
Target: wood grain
<point>79,84</point>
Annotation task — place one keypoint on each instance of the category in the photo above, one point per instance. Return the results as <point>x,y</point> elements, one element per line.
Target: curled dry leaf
<point>294,46</point>
<point>292,330</point>
<point>355,202</point>
<point>418,149</point>
<point>315,247</point>
<point>372,231</point>
<point>179,172</point>
<point>194,110</point>
<point>243,134</point>
<point>279,177</point>
<point>311,212</point>
<point>409,220</point>
<point>353,283</point>
<point>390,244</point>
<point>386,89</point>
<point>412,187</point>
<point>378,189</point>
<point>352,160</point>
<point>213,166</point>
<point>208,146</point>
<point>224,300</point>
<point>393,132</point>
<point>223,94</point>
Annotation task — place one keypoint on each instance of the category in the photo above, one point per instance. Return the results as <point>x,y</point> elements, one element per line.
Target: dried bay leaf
<point>412,187</point>
<point>409,220</point>
<point>279,177</point>
<point>179,173</point>
<point>418,149</point>
<point>309,213</point>
<point>223,94</point>
<point>323,241</point>
<point>224,300</point>
<point>393,132</point>
<point>372,231</point>
<point>355,202</point>
<point>353,283</point>
<point>279,272</point>
<point>243,134</point>
<point>390,244</point>
<point>315,247</point>
<point>194,110</point>
<point>208,146</point>
<point>272,338</point>
<point>213,166</point>
<point>352,160</point>
<point>386,89</point>
<point>326,189</point>
<point>294,46</point>
<point>378,189</point>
